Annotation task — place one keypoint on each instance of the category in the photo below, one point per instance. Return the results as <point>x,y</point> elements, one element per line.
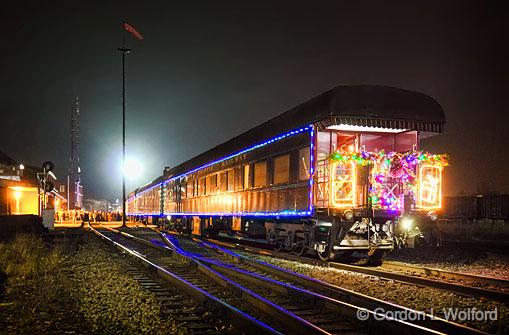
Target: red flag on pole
<point>133,31</point>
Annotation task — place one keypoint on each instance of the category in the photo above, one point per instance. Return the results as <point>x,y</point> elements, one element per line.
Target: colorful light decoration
<point>430,186</point>
<point>343,184</point>
<point>256,146</point>
<point>394,175</point>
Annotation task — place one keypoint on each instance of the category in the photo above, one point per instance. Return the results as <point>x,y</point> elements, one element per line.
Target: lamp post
<point>124,50</point>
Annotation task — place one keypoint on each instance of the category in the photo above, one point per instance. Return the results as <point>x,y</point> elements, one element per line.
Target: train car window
<point>190,188</point>
<point>323,145</point>
<point>211,184</point>
<point>282,169</point>
<point>304,168</point>
<point>171,193</point>
<point>183,190</point>
<point>344,142</point>
<point>377,142</point>
<point>406,141</point>
<point>238,173</point>
<point>202,190</point>
<point>215,183</point>
<point>208,188</point>
<point>260,174</point>
<point>246,176</point>
<point>230,180</point>
<point>175,191</point>
<point>222,182</point>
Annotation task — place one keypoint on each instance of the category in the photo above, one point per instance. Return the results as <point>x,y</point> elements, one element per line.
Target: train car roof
<point>362,105</point>
<point>145,187</point>
<point>358,105</point>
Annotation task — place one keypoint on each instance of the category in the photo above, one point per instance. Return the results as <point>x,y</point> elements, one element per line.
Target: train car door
<point>196,225</point>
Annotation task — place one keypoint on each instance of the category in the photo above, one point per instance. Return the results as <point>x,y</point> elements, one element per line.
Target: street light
<point>124,50</point>
<point>132,168</point>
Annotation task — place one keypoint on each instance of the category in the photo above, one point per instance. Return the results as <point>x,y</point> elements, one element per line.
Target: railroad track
<point>299,310</point>
<point>455,287</point>
<point>481,281</point>
<point>462,284</point>
<point>179,306</point>
<point>285,320</point>
<point>255,274</point>
<point>193,280</point>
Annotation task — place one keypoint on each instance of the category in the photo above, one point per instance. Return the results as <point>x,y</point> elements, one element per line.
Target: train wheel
<point>300,248</point>
<point>326,255</point>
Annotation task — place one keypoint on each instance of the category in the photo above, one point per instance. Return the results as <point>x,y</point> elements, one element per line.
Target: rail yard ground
<point>460,259</point>
<point>74,289</point>
<point>419,298</point>
<point>80,285</point>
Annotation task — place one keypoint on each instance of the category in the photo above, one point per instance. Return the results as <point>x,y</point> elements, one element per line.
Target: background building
<point>19,194</point>
<point>74,187</point>
<point>94,205</point>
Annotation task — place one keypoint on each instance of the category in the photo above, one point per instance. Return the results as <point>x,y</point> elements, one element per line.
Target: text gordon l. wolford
<point>450,314</point>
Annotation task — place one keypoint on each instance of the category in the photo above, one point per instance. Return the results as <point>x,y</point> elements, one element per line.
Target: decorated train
<point>338,174</point>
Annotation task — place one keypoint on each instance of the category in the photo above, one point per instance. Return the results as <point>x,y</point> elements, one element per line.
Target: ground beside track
<point>474,261</point>
<point>80,291</point>
<point>419,298</point>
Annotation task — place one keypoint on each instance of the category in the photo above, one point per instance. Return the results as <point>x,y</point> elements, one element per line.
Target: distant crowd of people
<point>85,216</point>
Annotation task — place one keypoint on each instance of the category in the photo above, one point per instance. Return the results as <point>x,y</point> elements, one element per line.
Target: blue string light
<point>311,168</point>
<point>257,214</point>
<point>256,146</point>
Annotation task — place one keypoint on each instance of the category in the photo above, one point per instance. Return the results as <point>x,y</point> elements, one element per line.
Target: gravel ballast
<point>110,299</point>
<point>84,291</point>
<point>458,259</point>
<point>418,298</point>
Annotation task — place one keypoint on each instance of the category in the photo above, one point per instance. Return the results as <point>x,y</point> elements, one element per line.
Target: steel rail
<point>445,274</point>
<point>240,319</point>
<point>293,322</point>
<point>345,295</point>
<point>344,305</point>
<point>429,321</point>
<point>464,290</point>
<point>375,320</point>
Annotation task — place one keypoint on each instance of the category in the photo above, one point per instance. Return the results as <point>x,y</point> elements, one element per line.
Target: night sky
<point>210,70</point>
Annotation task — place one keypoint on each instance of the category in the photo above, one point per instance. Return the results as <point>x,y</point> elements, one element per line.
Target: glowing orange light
<point>343,184</point>
<point>430,187</point>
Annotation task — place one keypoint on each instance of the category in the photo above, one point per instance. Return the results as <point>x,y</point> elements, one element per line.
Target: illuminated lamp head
<point>407,222</point>
<point>132,168</point>
<point>348,214</point>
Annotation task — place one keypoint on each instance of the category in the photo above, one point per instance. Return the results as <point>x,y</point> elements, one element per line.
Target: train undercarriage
<point>362,239</point>
<point>330,239</point>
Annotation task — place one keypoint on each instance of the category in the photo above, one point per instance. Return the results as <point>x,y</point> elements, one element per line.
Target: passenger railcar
<point>339,173</point>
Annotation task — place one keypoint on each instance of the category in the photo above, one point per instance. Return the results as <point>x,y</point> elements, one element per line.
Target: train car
<point>146,199</point>
<point>340,173</point>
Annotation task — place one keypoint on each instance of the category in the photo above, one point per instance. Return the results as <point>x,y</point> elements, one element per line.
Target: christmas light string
<point>392,174</point>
